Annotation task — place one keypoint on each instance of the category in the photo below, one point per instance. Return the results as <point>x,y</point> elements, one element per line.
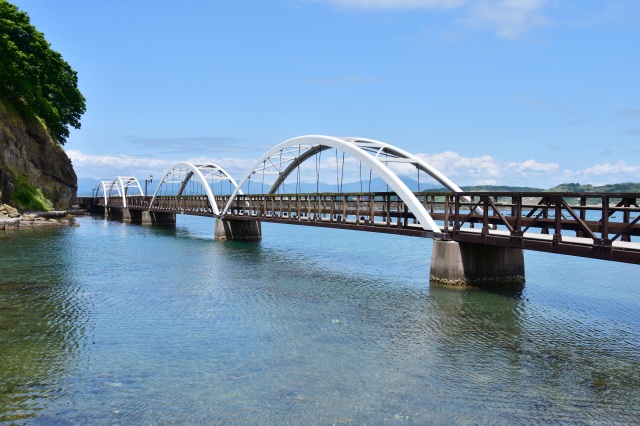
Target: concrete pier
<point>238,230</point>
<point>132,216</point>
<point>158,218</point>
<point>98,210</point>
<point>471,264</point>
<point>114,213</point>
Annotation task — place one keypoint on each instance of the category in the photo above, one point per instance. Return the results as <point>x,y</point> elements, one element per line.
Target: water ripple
<point>111,323</point>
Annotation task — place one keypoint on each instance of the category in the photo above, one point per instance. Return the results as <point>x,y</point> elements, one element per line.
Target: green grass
<point>28,197</point>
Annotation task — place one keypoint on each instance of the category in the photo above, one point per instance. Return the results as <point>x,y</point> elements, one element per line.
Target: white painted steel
<point>106,186</point>
<point>202,172</point>
<point>123,184</point>
<point>359,148</point>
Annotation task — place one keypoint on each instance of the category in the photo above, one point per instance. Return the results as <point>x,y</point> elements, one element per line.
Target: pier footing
<point>158,218</point>
<point>238,229</point>
<point>479,265</point>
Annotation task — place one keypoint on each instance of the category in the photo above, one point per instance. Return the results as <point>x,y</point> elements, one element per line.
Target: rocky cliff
<point>27,149</point>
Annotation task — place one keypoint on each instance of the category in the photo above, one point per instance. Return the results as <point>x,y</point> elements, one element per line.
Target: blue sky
<point>508,92</point>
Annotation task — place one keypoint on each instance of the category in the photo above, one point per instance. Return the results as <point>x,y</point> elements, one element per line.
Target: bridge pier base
<point>114,213</point>
<point>238,229</point>
<point>479,265</point>
<point>132,216</point>
<point>158,218</point>
<point>98,210</point>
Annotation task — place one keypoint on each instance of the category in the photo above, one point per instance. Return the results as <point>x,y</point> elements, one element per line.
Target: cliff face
<point>27,149</point>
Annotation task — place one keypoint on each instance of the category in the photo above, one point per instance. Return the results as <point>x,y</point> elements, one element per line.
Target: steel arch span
<point>106,186</point>
<point>183,172</point>
<point>124,185</point>
<point>287,156</point>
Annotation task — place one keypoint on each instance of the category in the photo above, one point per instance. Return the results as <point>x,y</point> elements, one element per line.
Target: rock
<point>6,224</point>
<point>7,210</point>
<point>27,149</point>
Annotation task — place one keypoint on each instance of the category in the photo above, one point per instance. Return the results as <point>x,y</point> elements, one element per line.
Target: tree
<point>35,79</point>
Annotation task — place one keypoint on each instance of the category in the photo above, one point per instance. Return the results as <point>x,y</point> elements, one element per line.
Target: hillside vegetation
<point>35,79</point>
<point>564,187</point>
<point>39,100</point>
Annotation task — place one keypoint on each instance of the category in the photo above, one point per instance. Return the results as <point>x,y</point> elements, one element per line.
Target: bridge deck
<point>602,225</point>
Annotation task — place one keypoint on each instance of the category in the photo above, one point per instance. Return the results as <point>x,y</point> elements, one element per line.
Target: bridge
<point>479,237</point>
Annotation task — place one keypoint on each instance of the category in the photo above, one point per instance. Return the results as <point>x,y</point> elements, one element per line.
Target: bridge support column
<point>471,264</point>
<point>132,216</point>
<point>238,229</point>
<point>114,213</point>
<point>98,210</point>
<point>158,218</point>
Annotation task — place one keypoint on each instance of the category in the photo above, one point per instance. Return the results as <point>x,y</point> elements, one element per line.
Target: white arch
<point>106,186</point>
<point>123,183</point>
<point>367,151</point>
<point>175,174</point>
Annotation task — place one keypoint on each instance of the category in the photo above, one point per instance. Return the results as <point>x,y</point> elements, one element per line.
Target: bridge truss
<point>286,158</point>
<point>187,179</point>
<point>120,188</point>
<point>587,225</point>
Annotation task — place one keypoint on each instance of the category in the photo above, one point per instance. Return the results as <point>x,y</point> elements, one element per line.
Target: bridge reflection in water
<point>479,236</point>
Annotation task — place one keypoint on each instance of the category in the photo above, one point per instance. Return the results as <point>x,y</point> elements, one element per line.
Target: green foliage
<point>35,79</point>
<point>616,187</point>
<point>27,197</point>
<point>564,187</point>
<point>500,188</point>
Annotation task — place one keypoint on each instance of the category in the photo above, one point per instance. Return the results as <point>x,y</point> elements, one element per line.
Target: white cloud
<point>110,166</point>
<point>605,173</point>
<point>398,4</point>
<point>235,166</point>
<point>454,165</point>
<point>505,18</point>
<point>480,170</point>
<point>619,169</point>
<point>533,167</point>
<point>487,170</point>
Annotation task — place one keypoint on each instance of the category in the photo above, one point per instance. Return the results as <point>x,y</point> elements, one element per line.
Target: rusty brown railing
<point>599,225</point>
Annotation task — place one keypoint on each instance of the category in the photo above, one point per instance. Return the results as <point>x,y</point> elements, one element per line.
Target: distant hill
<point>86,186</point>
<point>497,188</point>
<point>564,187</point>
<point>617,187</point>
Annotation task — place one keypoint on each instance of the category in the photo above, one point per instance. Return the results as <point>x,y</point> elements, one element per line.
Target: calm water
<point>108,323</point>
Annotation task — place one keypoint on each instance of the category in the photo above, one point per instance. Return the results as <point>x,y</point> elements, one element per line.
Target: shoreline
<point>13,220</point>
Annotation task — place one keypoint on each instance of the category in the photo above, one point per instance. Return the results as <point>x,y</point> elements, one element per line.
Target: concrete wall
<point>158,218</point>
<point>469,264</point>
<point>238,230</point>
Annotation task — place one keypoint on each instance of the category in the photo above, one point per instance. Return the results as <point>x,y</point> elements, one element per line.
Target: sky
<point>502,92</point>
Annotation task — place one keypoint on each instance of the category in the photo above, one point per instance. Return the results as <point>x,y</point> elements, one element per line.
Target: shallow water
<point>108,323</point>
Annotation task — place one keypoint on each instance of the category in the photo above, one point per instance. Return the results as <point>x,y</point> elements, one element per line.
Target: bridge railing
<point>604,226</point>
<point>602,217</point>
<point>194,204</point>
<point>367,209</point>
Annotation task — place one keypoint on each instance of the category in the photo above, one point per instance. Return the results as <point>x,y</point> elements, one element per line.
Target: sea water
<point>109,323</point>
